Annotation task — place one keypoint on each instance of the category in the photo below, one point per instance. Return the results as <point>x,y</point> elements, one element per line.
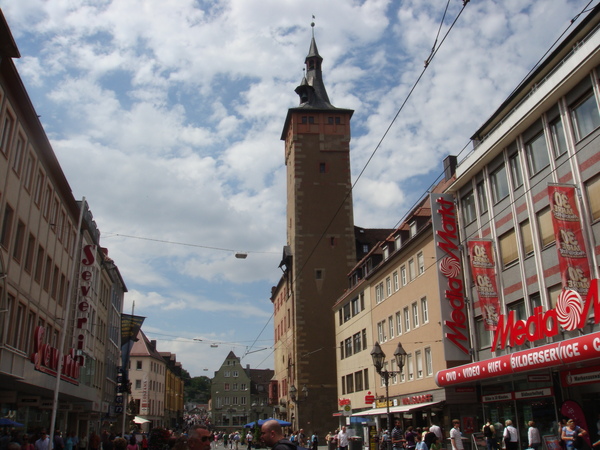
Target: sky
<point>166,115</point>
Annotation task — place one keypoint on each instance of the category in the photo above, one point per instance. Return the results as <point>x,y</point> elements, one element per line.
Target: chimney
<point>153,343</point>
<point>449,166</point>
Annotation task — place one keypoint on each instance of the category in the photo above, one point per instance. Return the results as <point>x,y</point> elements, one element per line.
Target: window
<point>398,323</point>
<point>419,362</point>
<point>322,168</point>
<point>467,204</point>
<point>499,184</point>
<point>413,229</point>
<point>318,274</point>
<point>381,331</point>
<point>6,227</point>
<point>559,141</point>
<point>391,326</point>
<point>508,248</point>
<point>235,374</point>
<point>406,320</point>
<point>7,130</point>
<point>388,286</point>
<point>39,264</point>
<point>226,386</point>
<point>348,347</point>
<point>358,382</point>
<point>421,262</point>
<point>227,374</point>
<point>347,312</point>
<point>355,306</point>
<point>410,368</point>
<point>415,315</point>
<point>482,197</point>
<point>484,337</point>
<point>366,378</point>
<point>527,237</point>
<point>349,384</point>
<point>364,338</point>
<point>585,115</point>
<point>357,343</point>
<point>424,310</point>
<point>396,281</point>
<point>403,275</point>
<point>593,194</point>
<point>546,228</point>
<point>537,153</point>
<point>39,183</point>
<point>18,156</point>
<point>411,269</point>
<point>515,170</point>
<point>428,362</point>
<point>138,384</point>
<point>28,172</point>
<point>138,365</point>
<point>29,253</point>
<point>19,241</point>
<point>379,294</point>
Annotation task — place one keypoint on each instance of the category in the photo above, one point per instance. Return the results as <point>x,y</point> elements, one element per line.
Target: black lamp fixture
<point>294,394</point>
<point>379,363</point>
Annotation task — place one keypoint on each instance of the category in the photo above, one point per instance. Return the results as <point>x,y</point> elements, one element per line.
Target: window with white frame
<point>379,294</point>
<point>585,115</point>
<point>410,368</point>
<point>559,140</point>
<point>413,228</point>
<point>415,315</point>
<point>467,204</point>
<point>403,275</point>
<point>419,363</point>
<point>235,373</point>
<point>428,362</point>
<point>355,306</point>
<point>424,310</point>
<point>515,170</point>
<point>411,269</point>
<point>406,320</point>
<point>226,373</point>
<point>356,338</point>
<point>398,323</point>
<point>391,326</point>
<point>348,347</point>
<point>396,281</point>
<point>537,153</point>
<point>381,331</point>
<point>388,286</point>
<point>421,262</point>
<point>499,184</point>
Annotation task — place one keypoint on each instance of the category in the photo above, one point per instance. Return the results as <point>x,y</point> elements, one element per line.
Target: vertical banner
<point>145,401</point>
<point>570,243</point>
<point>130,327</point>
<point>484,275</point>
<point>450,278</point>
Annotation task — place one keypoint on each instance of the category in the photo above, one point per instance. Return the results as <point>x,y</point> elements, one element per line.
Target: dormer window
<point>413,229</point>
<point>386,252</point>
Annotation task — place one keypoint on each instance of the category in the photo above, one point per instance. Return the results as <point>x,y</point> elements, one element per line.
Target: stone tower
<point>320,251</point>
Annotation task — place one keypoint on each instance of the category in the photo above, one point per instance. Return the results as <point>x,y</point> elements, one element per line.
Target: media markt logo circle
<point>569,307</point>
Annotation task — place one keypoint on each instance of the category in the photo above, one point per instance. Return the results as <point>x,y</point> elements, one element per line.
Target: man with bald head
<point>199,438</point>
<point>272,435</point>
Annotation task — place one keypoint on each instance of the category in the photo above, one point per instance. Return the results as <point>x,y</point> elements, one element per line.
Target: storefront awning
<point>394,409</point>
<point>138,419</point>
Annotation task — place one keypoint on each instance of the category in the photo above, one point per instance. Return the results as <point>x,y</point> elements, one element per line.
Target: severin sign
<point>86,279</point>
<point>445,231</point>
<point>571,313</point>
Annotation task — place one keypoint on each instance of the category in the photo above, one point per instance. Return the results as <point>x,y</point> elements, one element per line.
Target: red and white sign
<point>571,312</point>
<point>569,351</point>
<point>416,399</point>
<point>577,377</point>
<point>483,270</point>
<point>45,358</point>
<point>452,297</point>
<point>570,243</point>
<point>369,398</point>
<point>84,292</point>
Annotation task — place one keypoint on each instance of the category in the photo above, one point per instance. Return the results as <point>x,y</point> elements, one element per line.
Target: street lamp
<point>294,394</point>
<point>378,361</point>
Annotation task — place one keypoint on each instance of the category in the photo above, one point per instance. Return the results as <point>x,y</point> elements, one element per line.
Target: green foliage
<point>198,390</point>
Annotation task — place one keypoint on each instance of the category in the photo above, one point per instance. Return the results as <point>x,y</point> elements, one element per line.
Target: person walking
<point>343,439</point>
<point>272,435</point>
<point>249,438</point>
<point>511,436</point>
<point>571,434</point>
<point>397,436</point>
<point>314,440</point>
<point>489,433</point>
<point>533,436</point>
<point>455,436</point>
<point>43,443</point>
<point>410,439</point>
<point>435,428</point>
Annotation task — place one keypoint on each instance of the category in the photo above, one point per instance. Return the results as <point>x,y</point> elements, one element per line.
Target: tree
<point>198,390</point>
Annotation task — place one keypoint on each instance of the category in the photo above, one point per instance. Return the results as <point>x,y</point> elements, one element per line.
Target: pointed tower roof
<point>311,90</point>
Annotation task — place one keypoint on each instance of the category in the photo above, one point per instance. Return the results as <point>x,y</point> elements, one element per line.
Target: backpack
<point>487,431</point>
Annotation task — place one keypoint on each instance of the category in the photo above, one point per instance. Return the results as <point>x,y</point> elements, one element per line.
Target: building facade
<point>239,395</point>
<point>528,196</point>
<point>60,294</point>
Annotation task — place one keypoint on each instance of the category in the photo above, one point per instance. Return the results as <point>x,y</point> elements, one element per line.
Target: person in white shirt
<point>533,436</point>
<point>455,436</point>
<point>343,439</point>
<point>437,430</point>
<point>43,443</point>
<point>511,436</point>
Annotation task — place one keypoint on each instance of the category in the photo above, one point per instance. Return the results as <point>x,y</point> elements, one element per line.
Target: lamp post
<point>378,361</point>
<point>293,393</point>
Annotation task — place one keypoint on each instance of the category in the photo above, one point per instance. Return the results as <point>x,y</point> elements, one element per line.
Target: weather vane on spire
<point>312,24</point>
